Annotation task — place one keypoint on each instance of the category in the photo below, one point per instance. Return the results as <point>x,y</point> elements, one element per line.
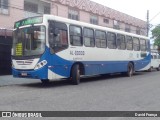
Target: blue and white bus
<point>51,48</point>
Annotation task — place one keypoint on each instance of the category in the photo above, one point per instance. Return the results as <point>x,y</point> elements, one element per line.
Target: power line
<point>154,16</point>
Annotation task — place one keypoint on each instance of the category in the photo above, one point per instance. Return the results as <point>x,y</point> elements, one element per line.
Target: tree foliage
<point>156,35</point>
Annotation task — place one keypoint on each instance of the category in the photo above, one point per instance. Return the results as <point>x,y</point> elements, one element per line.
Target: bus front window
<point>29,41</point>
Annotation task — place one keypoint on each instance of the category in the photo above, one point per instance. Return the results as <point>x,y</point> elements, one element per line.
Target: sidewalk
<point>9,80</point>
<point>5,77</point>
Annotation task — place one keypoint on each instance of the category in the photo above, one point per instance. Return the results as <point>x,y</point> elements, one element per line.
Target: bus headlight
<point>40,64</point>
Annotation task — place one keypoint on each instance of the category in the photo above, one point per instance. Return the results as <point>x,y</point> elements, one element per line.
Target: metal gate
<point>5,55</point>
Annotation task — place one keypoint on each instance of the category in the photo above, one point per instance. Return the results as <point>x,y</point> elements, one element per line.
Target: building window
<point>47,8</point>
<point>105,20</point>
<point>88,37</point>
<point>4,7</point>
<point>138,31</point>
<point>116,25</point>
<point>30,7</point>
<point>73,14</point>
<point>143,32</point>
<point>94,20</point>
<point>127,28</point>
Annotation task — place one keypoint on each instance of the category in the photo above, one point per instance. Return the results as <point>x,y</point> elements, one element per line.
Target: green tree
<point>156,36</point>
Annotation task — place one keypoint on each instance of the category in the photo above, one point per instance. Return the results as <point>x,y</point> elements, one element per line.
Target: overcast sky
<point>136,8</point>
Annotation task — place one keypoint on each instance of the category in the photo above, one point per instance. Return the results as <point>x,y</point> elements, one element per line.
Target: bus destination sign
<point>19,49</point>
<point>28,21</point>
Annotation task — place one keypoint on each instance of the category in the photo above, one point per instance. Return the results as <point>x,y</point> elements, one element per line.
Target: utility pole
<point>148,23</point>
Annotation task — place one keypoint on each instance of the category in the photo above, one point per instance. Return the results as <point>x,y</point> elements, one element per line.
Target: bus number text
<point>77,53</point>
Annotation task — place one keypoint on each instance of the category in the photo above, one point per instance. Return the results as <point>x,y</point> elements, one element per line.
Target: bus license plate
<point>24,74</point>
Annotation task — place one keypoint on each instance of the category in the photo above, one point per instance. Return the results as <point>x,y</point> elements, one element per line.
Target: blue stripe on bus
<point>62,67</point>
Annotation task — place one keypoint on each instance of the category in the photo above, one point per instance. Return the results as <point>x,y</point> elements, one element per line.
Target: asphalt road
<point>103,93</point>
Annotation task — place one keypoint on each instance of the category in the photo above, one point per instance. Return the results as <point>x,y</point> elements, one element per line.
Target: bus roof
<point>47,17</point>
<point>79,23</point>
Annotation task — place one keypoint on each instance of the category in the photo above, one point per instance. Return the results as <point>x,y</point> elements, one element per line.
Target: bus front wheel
<point>75,75</point>
<point>45,81</point>
<point>130,70</point>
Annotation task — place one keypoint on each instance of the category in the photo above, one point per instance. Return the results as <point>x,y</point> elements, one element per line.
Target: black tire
<point>75,75</point>
<point>150,69</point>
<point>130,70</point>
<point>158,69</point>
<point>45,81</point>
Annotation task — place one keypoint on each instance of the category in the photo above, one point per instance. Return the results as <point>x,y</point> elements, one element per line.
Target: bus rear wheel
<point>158,69</point>
<point>150,69</point>
<point>75,75</point>
<point>130,70</point>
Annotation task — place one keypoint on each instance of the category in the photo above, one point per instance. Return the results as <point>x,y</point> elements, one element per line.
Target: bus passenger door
<point>58,40</point>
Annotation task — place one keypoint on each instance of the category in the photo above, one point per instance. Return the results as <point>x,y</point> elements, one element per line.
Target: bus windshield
<point>29,41</point>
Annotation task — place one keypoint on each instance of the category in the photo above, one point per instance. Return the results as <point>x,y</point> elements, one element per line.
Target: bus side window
<point>129,43</point>
<point>121,44</point>
<point>136,44</point>
<point>58,37</point>
<point>88,37</point>
<point>143,44</point>
<point>111,38</point>
<point>100,39</point>
<point>75,35</point>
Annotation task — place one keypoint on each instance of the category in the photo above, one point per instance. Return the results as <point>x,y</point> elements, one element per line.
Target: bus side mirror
<point>56,32</point>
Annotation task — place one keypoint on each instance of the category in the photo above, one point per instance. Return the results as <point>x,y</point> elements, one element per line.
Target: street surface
<point>103,93</point>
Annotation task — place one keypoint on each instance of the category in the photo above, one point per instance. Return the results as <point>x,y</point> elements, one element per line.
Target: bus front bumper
<point>33,74</point>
